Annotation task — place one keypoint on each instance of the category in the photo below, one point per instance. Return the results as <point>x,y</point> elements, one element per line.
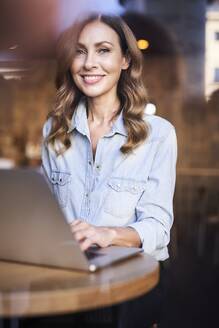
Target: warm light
<point>150,109</point>
<point>15,46</point>
<point>143,44</point>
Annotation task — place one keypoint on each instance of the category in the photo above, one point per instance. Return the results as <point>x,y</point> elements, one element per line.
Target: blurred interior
<point>181,72</point>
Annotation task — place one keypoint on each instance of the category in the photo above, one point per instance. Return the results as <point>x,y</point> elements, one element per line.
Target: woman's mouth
<point>91,79</point>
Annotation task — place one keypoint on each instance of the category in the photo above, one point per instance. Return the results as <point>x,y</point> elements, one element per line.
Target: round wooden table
<point>27,290</point>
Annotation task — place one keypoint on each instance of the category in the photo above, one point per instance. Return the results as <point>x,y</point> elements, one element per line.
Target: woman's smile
<point>92,79</point>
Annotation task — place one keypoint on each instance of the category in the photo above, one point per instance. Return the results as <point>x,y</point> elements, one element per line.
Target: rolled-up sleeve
<point>154,211</point>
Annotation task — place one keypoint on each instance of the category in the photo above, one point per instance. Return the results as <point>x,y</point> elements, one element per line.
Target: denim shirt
<point>116,189</point>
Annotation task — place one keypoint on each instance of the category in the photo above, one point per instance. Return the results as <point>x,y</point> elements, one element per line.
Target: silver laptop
<point>33,228</point>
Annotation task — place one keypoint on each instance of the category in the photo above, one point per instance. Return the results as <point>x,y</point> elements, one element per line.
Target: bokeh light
<point>143,44</point>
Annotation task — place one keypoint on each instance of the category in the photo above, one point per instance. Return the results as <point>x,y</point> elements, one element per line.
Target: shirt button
<point>98,167</point>
<point>86,195</point>
<point>89,162</point>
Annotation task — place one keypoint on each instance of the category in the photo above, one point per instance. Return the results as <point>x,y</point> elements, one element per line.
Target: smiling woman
<point>115,49</point>
<point>98,63</point>
<point>115,164</point>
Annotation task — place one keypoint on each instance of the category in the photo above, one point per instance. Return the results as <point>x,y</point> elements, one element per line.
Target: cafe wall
<point>25,102</point>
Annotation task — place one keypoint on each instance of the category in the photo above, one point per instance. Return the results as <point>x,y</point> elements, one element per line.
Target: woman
<point>111,166</point>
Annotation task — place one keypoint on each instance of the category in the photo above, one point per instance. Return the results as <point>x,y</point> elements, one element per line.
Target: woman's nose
<point>90,61</point>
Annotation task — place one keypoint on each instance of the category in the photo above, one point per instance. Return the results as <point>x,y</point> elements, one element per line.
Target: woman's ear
<point>126,62</point>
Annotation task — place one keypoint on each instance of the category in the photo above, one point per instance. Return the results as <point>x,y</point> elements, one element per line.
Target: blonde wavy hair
<point>130,90</point>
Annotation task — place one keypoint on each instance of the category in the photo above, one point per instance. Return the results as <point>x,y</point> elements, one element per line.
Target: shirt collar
<point>79,122</point>
<point>119,126</point>
<point>79,119</point>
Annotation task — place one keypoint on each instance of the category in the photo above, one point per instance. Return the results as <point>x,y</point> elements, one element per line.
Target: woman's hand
<point>87,234</point>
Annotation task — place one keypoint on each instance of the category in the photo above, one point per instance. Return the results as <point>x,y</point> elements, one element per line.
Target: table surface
<point>28,290</point>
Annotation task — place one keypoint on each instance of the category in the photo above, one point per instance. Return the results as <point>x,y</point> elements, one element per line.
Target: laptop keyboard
<point>91,254</point>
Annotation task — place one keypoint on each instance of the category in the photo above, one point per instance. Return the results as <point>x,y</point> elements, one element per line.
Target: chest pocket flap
<point>130,185</point>
<point>61,182</point>
<point>60,178</point>
<point>122,197</point>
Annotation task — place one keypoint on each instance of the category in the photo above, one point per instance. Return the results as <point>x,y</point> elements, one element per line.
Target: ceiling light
<point>142,44</point>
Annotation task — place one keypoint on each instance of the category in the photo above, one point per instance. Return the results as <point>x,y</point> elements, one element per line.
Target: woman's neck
<point>102,111</point>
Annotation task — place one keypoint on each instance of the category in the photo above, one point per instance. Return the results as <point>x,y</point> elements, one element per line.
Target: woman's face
<point>98,61</point>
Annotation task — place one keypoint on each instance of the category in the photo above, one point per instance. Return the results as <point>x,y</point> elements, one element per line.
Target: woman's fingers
<point>86,243</point>
<point>87,234</point>
<point>87,237</point>
<point>84,233</point>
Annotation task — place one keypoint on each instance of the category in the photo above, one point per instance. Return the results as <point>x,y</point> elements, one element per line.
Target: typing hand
<point>87,234</point>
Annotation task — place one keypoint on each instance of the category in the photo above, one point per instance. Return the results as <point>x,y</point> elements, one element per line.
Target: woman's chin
<point>93,93</point>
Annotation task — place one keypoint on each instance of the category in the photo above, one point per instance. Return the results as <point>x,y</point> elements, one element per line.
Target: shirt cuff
<point>150,234</point>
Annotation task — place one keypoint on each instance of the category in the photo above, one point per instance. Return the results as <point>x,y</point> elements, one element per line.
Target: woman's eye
<point>80,51</point>
<point>103,50</point>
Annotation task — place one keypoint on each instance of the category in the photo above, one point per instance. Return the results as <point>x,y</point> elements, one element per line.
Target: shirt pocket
<point>122,196</point>
<point>61,182</point>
